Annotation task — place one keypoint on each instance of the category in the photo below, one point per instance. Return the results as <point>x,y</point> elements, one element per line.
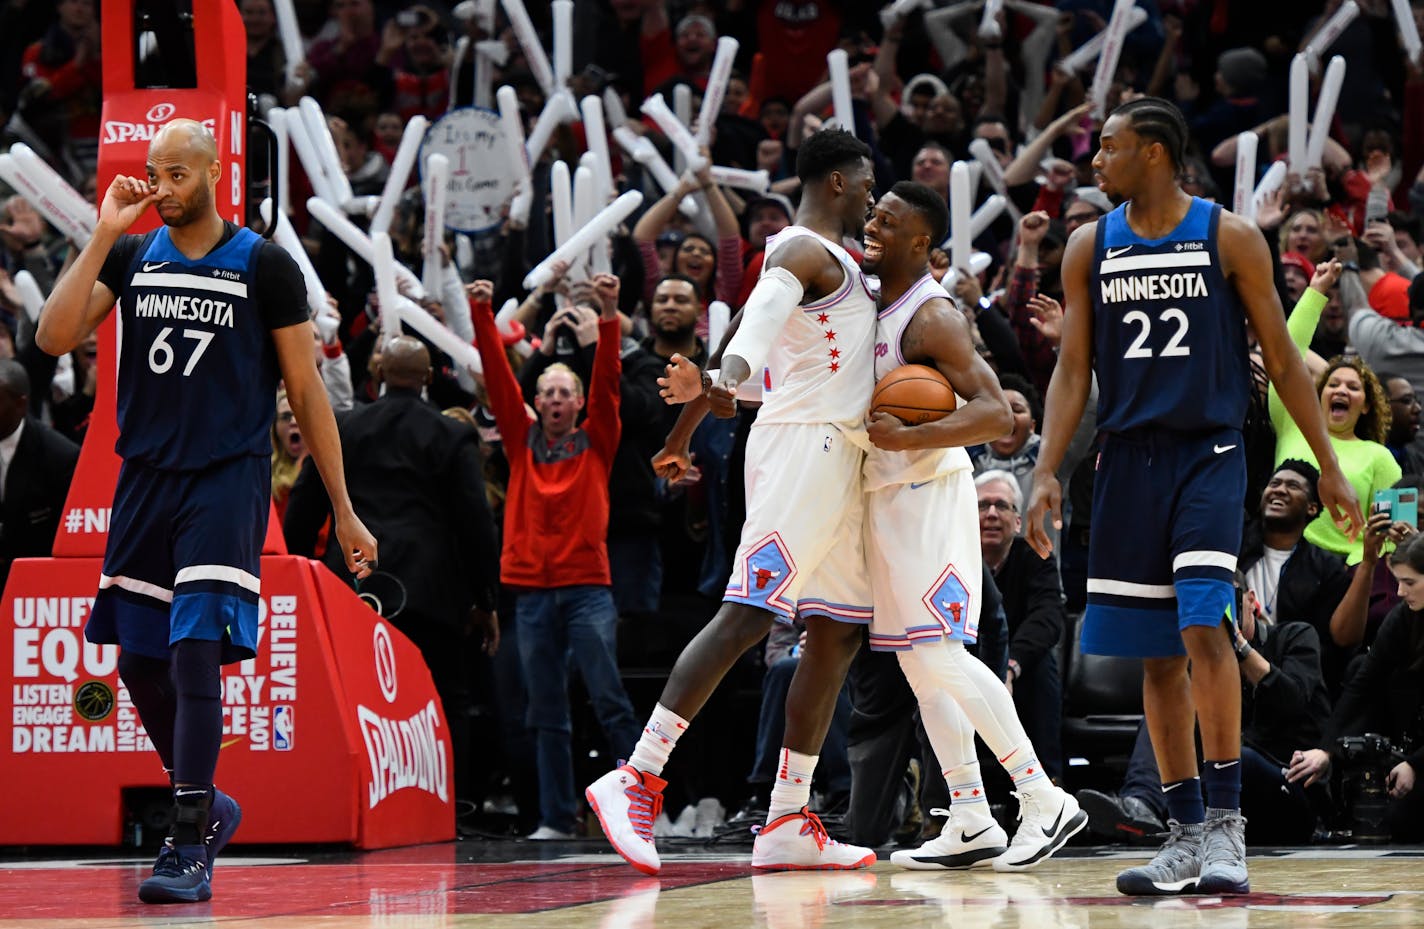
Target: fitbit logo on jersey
<point>1155,287</point>
<point>181,306</point>
<point>404,753</point>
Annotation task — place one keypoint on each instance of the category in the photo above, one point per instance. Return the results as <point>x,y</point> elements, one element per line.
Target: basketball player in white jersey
<point>807,333</point>
<point>922,549</point>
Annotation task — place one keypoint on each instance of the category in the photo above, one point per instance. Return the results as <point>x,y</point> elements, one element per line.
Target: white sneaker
<point>549,834</point>
<point>627,801</point>
<point>798,842</point>
<point>1048,817</point>
<point>965,842</point>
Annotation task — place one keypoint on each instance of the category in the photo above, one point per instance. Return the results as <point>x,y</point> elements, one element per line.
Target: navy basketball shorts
<point>183,558</point>
<point>1167,511</point>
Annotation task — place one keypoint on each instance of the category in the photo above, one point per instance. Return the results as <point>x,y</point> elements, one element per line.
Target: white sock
<point>659,738</point>
<point>966,790</point>
<point>1022,764</point>
<point>791,790</point>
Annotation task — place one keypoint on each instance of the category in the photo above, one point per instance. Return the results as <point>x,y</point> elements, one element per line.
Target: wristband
<point>1243,650</point>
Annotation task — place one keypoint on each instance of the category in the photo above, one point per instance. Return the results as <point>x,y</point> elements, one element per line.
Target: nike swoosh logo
<point>1222,448</point>
<point>919,485</point>
<point>149,267</point>
<point>231,742</point>
<point>1218,765</point>
<point>966,837</point>
<point>1170,787</point>
<point>1114,252</point>
<point>1052,831</point>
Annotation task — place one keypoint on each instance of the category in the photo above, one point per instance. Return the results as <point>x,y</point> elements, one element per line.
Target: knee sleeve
<point>977,692</point>
<point>197,683</point>
<point>950,733</point>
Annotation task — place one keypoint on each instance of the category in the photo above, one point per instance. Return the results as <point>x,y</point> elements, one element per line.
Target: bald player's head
<point>405,363</point>
<point>183,164</point>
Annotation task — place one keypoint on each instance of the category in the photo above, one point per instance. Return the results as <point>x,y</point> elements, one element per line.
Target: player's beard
<point>201,201</point>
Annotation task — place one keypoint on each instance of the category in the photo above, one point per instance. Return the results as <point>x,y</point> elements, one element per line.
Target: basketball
<point>914,393</point>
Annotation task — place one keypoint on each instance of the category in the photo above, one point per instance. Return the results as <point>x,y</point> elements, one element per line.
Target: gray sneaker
<point>1223,855</point>
<point>1175,868</point>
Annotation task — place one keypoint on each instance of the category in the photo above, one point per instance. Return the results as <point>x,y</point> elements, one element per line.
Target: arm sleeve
<point>1301,325</point>
<point>602,424</point>
<point>1042,628</point>
<point>771,303</point>
<point>506,401</point>
<point>281,290</point>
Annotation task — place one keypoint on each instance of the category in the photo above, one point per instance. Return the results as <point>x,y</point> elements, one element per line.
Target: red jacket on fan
<point>556,511</point>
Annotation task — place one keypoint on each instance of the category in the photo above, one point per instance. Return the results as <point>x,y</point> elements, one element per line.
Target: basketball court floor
<point>574,885</point>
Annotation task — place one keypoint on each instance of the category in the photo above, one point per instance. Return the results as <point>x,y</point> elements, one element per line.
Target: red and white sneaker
<point>798,842</point>
<point>627,801</point>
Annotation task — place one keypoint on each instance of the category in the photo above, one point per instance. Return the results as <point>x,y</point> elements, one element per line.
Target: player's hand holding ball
<point>125,201</point>
<point>887,432</point>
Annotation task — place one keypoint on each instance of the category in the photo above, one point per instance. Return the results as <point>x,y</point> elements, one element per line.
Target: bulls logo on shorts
<point>765,575</point>
<point>949,600</point>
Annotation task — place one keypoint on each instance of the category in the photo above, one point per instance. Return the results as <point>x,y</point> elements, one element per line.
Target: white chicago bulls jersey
<point>884,468</point>
<point>819,369</point>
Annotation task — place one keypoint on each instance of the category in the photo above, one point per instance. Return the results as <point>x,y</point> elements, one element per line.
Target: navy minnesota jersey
<point>1169,334</point>
<point>197,371</point>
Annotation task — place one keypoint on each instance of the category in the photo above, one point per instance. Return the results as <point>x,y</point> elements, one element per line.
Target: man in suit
<point>36,464</point>
<point>417,476</point>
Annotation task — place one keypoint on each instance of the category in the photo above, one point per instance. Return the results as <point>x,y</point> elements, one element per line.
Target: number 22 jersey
<point>197,367</point>
<point>1169,339</point>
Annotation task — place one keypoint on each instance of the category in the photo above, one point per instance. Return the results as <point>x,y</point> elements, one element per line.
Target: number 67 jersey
<point>1169,340</point>
<point>197,368</point>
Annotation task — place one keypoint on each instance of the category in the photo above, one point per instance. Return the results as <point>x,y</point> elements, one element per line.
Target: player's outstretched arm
<point>939,335</point>
<point>1246,260</point>
<point>801,267</point>
<point>1068,389</point>
<point>307,395</point>
<point>78,303</point>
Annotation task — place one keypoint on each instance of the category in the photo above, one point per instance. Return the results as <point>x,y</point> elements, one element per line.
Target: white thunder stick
<point>286,236</point>
<point>1107,59</point>
<point>1088,52</point>
<point>488,53</point>
<point>433,331</point>
<point>31,297</point>
<point>899,10</point>
<point>563,41</point>
<point>960,205</point>
<point>1271,182</point>
<point>1243,202</point>
<point>603,191</point>
<point>989,22</point>
<point>558,109</point>
<point>682,109</point>
<point>1324,112</point>
<point>613,111</point>
<point>838,63</point>
<point>1326,35</point>
<point>437,191</point>
<point>645,153</point>
<point>336,222</point>
<point>716,90</point>
<point>758,181</point>
<point>462,48</point>
<point>406,154</point>
<point>59,215</point>
<point>513,126</point>
<point>384,264</point>
<point>561,197</point>
<point>277,119</point>
<point>325,147</point>
<point>984,217</point>
<point>656,109</point>
<point>978,262</point>
<point>602,224</point>
<point>595,132</point>
<point>993,172</point>
<point>719,316</point>
<point>51,182</point>
<point>291,38</point>
<point>1408,30</point>
<point>504,319</point>
<point>588,197</point>
<point>529,41</point>
<point>1299,113</point>
<point>305,148</point>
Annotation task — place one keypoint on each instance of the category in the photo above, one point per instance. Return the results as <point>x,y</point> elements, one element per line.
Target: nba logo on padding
<point>948,600</point>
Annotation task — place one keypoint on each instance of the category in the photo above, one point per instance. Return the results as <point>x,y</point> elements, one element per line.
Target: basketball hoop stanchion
<point>335,694</point>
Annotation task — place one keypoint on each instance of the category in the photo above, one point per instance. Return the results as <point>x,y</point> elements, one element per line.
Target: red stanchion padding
<point>288,755</point>
<point>407,792</point>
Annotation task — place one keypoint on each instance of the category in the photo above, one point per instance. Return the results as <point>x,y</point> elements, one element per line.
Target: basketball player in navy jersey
<point>210,314</point>
<point>1155,293</point>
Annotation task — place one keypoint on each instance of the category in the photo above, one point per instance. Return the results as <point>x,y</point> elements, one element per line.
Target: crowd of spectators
<point>596,548</point>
